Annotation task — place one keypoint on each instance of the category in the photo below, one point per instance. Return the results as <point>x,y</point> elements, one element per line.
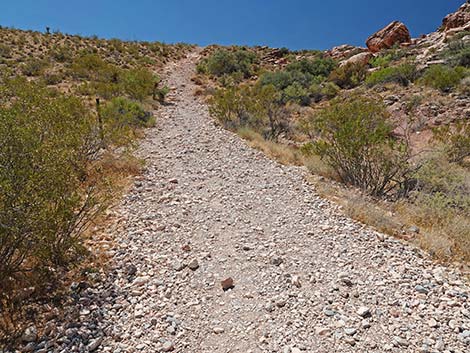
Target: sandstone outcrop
<point>395,33</point>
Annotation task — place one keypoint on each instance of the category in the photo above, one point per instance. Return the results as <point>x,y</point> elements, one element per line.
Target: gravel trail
<point>305,277</point>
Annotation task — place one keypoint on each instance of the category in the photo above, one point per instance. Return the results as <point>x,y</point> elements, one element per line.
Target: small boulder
<point>361,58</point>
<point>30,334</point>
<point>227,284</point>
<point>193,265</point>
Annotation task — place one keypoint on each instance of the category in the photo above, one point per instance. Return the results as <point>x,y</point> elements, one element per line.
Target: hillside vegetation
<point>389,126</point>
<point>71,110</point>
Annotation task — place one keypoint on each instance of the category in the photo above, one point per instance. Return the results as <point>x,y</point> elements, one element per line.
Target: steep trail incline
<point>306,277</point>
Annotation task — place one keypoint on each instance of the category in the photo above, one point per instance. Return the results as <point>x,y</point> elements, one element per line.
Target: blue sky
<point>296,24</point>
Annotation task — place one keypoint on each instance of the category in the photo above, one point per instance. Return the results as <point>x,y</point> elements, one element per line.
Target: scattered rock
<point>30,334</point>
<point>227,284</point>
<point>364,312</point>
<point>193,265</point>
<point>218,330</point>
<point>421,289</point>
<point>178,265</point>
<point>168,346</point>
<point>94,344</point>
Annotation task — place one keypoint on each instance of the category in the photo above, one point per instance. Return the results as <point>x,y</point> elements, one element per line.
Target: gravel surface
<point>219,249</point>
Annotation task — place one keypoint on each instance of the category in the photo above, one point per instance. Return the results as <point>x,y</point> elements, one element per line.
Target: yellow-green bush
<point>122,119</point>
<point>456,141</point>
<point>402,74</point>
<point>355,139</point>
<point>443,78</point>
<point>349,75</point>
<point>224,62</point>
<point>258,108</point>
<point>46,193</point>
<point>33,67</point>
<point>138,83</point>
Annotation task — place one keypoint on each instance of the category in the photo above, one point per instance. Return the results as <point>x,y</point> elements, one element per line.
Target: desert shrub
<point>138,83</point>
<point>386,57</point>
<point>230,106</point>
<point>443,78</point>
<point>295,93</point>
<point>455,140</point>
<point>312,68</point>
<point>51,78</point>
<point>61,54</point>
<point>33,67</point>
<point>381,61</point>
<point>225,62</point>
<point>326,90</point>
<point>257,108</point>
<point>349,75</point>
<point>46,194</point>
<point>160,93</point>
<point>443,200</point>
<point>355,139</point>
<point>402,74</point>
<point>462,58</point>
<point>122,120</point>
<point>295,81</point>
<point>5,51</point>
<point>458,51</point>
<point>92,67</point>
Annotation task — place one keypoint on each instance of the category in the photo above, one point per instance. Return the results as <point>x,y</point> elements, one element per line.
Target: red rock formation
<point>457,19</point>
<point>395,32</point>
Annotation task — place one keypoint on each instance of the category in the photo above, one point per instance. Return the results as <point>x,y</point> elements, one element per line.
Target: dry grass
<point>284,154</point>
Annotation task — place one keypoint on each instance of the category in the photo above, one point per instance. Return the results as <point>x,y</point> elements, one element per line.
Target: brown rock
<point>227,284</point>
<point>395,32</point>
<point>460,18</point>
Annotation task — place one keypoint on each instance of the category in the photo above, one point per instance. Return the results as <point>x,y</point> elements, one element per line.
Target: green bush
<point>442,77</point>
<point>122,120</point>
<point>160,94</point>
<point>257,108</point>
<point>61,54</point>
<point>225,62</point>
<point>326,90</point>
<point>296,80</point>
<point>51,78</point>
<point>5,51</point>
<point>92,67</point>
<point>312,68</point>
<point>33,67</point>
<point>295,93</point>
<point>349,75</point>
<point>402,74</point>
<point>46,194</point>
<point>355,139</point>
<point>456,141</point>
<point>458,51</point>
<point>138,83</point>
